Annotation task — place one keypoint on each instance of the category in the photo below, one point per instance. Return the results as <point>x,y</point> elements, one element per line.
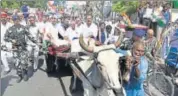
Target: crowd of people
<point>41,29</point>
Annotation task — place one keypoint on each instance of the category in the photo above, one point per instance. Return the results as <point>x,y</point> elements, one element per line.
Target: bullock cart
<point>96,66</point>
<point>53,62</point>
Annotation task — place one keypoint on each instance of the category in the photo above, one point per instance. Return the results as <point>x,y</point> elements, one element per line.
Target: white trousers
<point>4,60</point>
<point>159,31</point>
<point>36,53</point>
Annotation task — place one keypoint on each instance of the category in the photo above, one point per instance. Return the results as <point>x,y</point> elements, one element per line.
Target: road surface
<point>39,83</point>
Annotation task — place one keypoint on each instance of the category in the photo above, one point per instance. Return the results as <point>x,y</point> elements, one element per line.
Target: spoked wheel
<point>160,85</point>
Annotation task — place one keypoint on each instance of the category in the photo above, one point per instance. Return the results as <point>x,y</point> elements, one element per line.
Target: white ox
<point>108,65</point>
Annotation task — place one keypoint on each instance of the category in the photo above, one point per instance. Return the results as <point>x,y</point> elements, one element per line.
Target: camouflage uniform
<point>19,33</point>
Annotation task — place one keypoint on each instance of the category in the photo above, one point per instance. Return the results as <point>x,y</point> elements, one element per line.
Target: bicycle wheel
<point>160,85</point>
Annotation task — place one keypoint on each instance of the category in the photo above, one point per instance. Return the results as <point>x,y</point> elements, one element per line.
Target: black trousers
<point>154,27</point>
<point>146,22</point>
<point>50,63</point>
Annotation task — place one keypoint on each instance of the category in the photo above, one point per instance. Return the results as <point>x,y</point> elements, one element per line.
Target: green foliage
<point>125,6</point>
<point>17,3</point>
<point>9,4</point>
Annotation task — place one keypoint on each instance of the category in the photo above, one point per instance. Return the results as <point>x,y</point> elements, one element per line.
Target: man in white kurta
<point>43,26</point>
<point>60,29</point>
<point>4,26</point>
<point>52,33</point>
<point>78,26</point>
<point>71,32</point>
<point>89,28</point>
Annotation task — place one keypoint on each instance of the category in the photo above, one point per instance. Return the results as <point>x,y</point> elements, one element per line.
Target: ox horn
<point>84,46</point>
<point>119,40</point>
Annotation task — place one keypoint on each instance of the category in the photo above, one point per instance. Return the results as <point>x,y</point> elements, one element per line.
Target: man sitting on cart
<point>54,44</point>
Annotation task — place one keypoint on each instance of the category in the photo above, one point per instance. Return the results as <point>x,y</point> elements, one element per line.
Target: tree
<point>18,3</point>
<point>126,8</point>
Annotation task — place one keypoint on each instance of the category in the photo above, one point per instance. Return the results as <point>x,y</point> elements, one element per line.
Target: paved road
<point>39,84</point>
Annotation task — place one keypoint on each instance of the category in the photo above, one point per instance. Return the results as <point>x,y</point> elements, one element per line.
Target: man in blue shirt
<point>138,70</point>
<point>166,14</point>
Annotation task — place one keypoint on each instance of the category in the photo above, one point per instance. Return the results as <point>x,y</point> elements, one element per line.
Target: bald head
<point>138,49</point>
<point>138,44</point>
<point>150,33</point>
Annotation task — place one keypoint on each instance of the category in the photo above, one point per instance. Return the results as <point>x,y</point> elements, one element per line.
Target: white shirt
<point>157,13</point>
<point>43,28</point>
<point>60,29</point>
<point>148,13</point>
<point>111,39</point>
<point>79,29</point>
<point>113,28</point>
<point>53,32</point>
<point>34,31</point>
<point>108,23</point>
<point>3,30</point>
<point>89,30</point>
<point>70,33</point>
<point>23,23</point>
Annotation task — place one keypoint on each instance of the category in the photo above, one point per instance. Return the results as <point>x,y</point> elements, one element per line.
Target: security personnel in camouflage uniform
<point>17,35</point>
